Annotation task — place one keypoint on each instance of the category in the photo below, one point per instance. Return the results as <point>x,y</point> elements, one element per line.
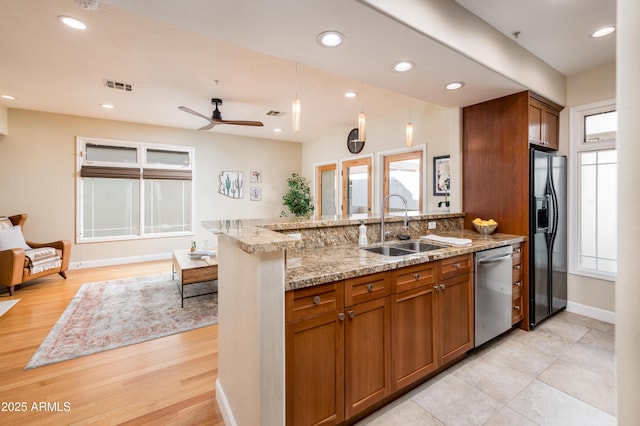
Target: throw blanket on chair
<point>43,259</point>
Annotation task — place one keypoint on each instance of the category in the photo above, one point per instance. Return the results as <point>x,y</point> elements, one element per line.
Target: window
<point>129,190</point>
<point>594,188</point>
<point>356,186</point>
<point>326,189</point>
<point>402,174</point>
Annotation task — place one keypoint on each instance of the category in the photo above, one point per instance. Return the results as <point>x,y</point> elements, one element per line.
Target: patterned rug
<point>111,314</point>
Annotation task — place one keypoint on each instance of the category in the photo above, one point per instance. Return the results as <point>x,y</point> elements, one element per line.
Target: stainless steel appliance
<point>493,293</point>
<point>548,230</point>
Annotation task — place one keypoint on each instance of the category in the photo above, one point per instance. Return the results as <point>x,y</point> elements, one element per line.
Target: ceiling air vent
<point>273,113</point>
<point>112,84</point>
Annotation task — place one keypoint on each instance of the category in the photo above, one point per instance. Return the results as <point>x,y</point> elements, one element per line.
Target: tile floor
<point>562,373</point>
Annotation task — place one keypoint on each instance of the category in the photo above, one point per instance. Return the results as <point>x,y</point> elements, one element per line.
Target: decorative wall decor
<point>256,194</point>
<point>441,175</point>
<point>231,184</point>
<point>256,176</point>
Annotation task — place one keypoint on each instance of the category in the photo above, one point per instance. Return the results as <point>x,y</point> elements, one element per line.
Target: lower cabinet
<point>385,332</point>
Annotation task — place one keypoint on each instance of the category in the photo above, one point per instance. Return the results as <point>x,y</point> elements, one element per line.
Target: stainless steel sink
<point>417,246</point>
<point>388,251</point>
<point>402,249</point>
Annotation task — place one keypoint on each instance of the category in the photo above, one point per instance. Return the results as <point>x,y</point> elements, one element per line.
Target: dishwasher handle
<point>494,259</point>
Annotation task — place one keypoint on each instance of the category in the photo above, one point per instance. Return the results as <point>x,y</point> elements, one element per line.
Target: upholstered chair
<point>22,261</point>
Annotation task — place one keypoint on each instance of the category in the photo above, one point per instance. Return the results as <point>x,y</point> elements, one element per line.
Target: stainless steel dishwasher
<point>493,295</point>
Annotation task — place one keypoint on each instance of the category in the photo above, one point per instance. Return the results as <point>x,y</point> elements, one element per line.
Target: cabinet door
<point>367,354</point>
<point>455,317</point>
<point>550,129</point>
<point>536,114</point>
<point>315,370</point>
<point>413,335</point>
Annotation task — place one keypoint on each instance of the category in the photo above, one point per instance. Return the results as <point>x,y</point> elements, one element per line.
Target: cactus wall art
<point>231,184</point>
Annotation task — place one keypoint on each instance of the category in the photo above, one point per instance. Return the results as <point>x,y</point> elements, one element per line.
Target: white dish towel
<point>447,240</point>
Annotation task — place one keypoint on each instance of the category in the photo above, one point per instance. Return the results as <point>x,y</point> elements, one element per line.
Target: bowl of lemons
<point>485,227</point>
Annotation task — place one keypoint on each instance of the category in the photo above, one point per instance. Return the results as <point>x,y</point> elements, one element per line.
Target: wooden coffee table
<point>191,271</point>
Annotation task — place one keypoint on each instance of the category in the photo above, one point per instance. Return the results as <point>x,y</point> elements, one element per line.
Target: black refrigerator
<point>548,233</point>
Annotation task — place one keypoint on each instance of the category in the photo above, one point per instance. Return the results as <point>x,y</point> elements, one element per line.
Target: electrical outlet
<point>431,225</point>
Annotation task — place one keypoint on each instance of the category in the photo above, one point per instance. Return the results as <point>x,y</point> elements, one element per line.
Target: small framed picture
<point>256,194</point>
<point>441,175</point>
<point>256,176</point>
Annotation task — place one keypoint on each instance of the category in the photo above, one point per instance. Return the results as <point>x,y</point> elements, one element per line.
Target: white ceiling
<point>257,54</point>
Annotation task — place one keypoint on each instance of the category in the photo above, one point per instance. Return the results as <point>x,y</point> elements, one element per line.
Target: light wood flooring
<point>166,381</point>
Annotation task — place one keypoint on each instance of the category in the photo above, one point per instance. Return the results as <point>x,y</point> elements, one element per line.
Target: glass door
<point>356,186</point>
<point>326,189</point>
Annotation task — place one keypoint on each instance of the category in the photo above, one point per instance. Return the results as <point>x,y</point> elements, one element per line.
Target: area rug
<point>6,305</point>
<point>110,314</point>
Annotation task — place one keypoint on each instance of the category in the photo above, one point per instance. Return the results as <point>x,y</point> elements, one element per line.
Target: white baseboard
<point>224,406</point>
<point>591,312</point>
<point>119,261</point>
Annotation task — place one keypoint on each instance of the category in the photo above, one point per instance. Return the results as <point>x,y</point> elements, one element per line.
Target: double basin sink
<point>403,249</point>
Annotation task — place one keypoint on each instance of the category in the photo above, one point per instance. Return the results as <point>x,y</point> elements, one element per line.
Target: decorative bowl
<point>485,229</point>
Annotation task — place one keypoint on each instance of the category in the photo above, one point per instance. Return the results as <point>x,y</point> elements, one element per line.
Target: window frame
<point>153,170</point>
<point>578,145</point>
<point>382,178</point>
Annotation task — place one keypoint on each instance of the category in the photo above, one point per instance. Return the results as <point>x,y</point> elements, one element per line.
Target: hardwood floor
<point>167,381</point>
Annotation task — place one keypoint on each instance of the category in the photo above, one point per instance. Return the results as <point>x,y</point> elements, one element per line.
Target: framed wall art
<point>256,176</point>
<point>441,175</point>
<point>256,194</point>
<point>231,184</point>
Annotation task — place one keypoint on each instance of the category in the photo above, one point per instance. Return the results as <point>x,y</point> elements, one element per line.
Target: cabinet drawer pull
<point>416,276</point>
<point>516,307</point>
<point>341,316</point>
<point>352,314</point>
<point>443,286</point>
<point>519,284</point>
<point>436,287</point>
<point>457,265</point>
<point>516,267</point>
<point>370,287</point>
<point>316,300</point>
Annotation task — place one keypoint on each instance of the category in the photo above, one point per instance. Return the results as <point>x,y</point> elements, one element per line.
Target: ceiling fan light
<point>604,31</point>
<point>72,22</point>
<point>330,38</point>
<point>409,135</point>
<point>295,114</point>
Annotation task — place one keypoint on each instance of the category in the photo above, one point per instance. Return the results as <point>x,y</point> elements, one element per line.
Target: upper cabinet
<point>544,117</point>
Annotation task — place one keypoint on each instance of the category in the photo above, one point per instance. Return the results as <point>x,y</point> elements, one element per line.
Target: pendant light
<point>409,129</point>
<point>295,108</point>
<point>362,121</point>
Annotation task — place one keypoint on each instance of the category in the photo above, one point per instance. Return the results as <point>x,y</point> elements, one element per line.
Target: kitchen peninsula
<point>276,277</point>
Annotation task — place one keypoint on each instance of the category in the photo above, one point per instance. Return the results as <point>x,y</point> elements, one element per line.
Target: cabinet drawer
<point>365,288</point>
<point>516,273</point>
<point>413,277</point>
<point>516,310</point>
<point>455,266</point>
<point>312,301</point>
<point>517,253</point>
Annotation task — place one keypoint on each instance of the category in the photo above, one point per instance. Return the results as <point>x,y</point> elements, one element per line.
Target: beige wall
<point>434,126</point>
<point>37,177</point>
<point>4,128</point>
<point>592,86</point>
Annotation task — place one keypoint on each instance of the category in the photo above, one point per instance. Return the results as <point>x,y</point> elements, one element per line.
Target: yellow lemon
<point>492,222</point>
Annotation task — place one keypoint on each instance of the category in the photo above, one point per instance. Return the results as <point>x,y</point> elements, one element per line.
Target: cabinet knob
<point>370,287</point>
<point>516,267</point>
<point>436,287</point>
<point>519,284</point>
<point>416,276</point>
<point>442,286</point>
<point>352,314</point>
<point>316,300</point>
<point>341,316</point>
<point>516,307</point>
<point>457,265</point>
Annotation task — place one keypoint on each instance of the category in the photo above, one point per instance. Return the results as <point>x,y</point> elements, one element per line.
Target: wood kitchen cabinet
<point>338,363</point>
<point>455,308</point>
<point>517,278</point>
<point>496,137</point>
<point>413,324</point>
<point>544,117</point>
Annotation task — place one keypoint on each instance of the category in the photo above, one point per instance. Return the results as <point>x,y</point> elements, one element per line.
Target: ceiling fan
<point>216,117</point>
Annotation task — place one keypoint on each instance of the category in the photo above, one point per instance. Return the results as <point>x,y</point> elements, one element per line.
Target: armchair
<point>15,265</point>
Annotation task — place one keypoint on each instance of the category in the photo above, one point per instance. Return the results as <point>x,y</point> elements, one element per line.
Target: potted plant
<point>298,199</point>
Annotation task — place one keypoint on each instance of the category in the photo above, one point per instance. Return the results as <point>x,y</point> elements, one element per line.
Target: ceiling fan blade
<point>190,111</point>
<point>240,122</point>
<point>208,126</point>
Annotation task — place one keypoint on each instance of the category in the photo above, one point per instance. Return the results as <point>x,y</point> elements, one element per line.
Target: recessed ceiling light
<point>454,85</point>
<point>330,38</point>
<point>604,31</point>
<point>403,66</point>
<point>277,130</point>
<point>72,22</point>
<point>350,95</point>
<point>9,97</point>
<point>106,106</point>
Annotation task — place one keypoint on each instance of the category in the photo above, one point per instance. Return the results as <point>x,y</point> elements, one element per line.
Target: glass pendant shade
<point>295,113</point>
<point>362,130</point>
<point>409,135</point>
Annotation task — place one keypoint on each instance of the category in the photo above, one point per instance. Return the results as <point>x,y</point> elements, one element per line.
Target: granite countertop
<point>305,268</point>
